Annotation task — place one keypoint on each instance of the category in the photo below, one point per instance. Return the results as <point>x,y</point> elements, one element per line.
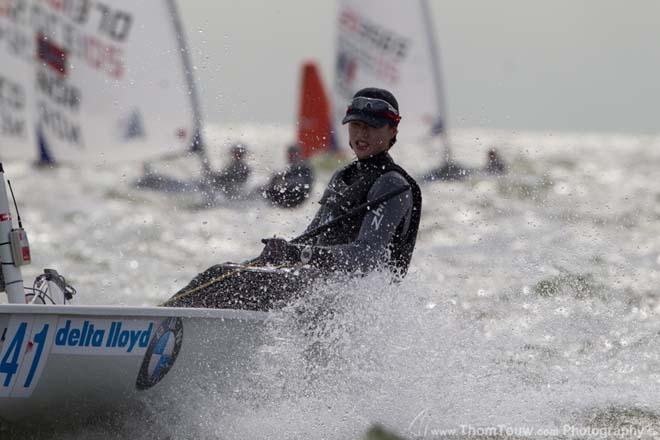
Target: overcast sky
<point>555,65</point>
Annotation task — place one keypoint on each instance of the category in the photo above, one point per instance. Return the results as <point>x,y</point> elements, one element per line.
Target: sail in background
<point>93,80</point>
<point>17,112</point>
<point>389,44</point>
<point>314,117</point>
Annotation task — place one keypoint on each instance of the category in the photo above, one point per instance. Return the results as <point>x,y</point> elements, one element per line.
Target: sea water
<point>530,310</point>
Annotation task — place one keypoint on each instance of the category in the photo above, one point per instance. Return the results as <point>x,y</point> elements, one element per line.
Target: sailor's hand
<point>279,251</point>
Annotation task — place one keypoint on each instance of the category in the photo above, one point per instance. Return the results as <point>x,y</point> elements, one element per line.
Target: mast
<point>197,145</point>
<point>437,79</point>
<point>11,271</point>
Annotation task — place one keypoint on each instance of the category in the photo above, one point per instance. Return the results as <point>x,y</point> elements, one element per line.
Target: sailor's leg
<point>191,294</point>
<point>235,286</point>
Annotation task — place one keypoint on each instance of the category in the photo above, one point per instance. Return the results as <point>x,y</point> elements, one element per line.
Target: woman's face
<point>367,141</point>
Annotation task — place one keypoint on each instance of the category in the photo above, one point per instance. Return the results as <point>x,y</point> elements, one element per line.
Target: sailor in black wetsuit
<point>368,220</point>
<point>495,165</point>
<point>231,179</point>
<point>291,187</point>
<point>384,235</point>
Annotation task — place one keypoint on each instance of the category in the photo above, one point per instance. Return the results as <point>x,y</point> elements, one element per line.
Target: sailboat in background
<point>392,46</point>
<point>314,114</point>
<point>96,82</point>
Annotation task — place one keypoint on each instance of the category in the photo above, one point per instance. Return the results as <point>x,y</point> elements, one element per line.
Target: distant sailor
<point>231,180</point>
<point>368,220</point>
<point>495,165</point>
<point>291,187</point>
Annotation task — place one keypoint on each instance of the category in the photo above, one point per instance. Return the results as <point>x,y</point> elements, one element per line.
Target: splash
<point>366,352</point>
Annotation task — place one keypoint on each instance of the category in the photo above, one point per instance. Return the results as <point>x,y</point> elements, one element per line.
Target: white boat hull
<point>58,362</point>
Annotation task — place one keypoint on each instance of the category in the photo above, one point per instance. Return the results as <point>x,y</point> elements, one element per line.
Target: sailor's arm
<point>376,232</point>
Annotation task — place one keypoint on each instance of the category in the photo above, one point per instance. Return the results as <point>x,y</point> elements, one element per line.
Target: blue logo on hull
<point>161,353</point>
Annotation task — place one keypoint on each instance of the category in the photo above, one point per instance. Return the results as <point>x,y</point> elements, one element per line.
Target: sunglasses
<point>375,107</point>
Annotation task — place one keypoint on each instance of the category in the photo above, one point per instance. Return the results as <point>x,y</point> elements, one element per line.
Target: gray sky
<point>556,65</point>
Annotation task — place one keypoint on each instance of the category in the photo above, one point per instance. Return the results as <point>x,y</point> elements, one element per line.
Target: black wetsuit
<point>382,236</point>
<point>231,179</point>
<point>291,187</point>
<point>495,165</point>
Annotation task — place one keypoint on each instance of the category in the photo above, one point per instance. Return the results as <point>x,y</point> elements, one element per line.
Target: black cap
<point>369,118</point>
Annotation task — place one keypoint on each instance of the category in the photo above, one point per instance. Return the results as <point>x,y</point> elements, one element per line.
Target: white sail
<point>101,80</point>
<point>16,82</point>
<point>389,45</point>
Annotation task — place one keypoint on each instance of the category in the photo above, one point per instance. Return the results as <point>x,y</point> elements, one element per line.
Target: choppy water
<point>531,307</point>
